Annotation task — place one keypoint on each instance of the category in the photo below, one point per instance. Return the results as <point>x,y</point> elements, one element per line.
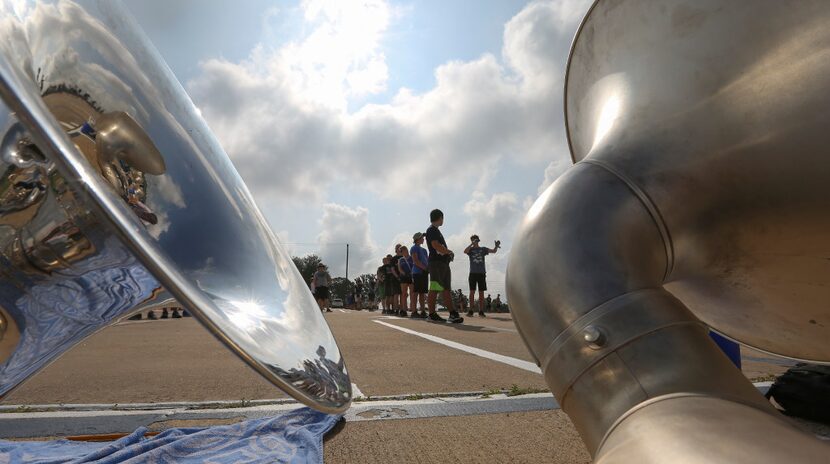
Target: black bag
<point>804,391</point>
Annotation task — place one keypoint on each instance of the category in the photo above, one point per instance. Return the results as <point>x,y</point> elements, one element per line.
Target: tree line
<point>340,286</point>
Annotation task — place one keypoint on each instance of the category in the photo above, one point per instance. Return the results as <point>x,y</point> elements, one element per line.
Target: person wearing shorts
<point>372,285</point>
<point>321,281</point>
<point>358,295</point>
<point>478,272</point>
<point>405,273</point>
<point>392,287</point>
<point>382,286</point>
<point>396,292</point>
<point>420,276</point>
<point>439,270</point>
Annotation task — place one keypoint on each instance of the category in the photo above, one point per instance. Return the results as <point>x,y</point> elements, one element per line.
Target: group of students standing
<point>414,276</point>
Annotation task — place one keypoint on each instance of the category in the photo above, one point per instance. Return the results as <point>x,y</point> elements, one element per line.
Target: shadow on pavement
<point>466,327</point>
<point>335,430</point>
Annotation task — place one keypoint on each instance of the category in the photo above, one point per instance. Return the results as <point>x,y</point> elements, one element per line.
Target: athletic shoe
<point>423,314</point>
<point>481,313</point>
<point>455,318</point>
<point>470,313</point>
<point>403,313</point>
<point>434,317</point>
<point>415,315</point>
<point>328,310</point>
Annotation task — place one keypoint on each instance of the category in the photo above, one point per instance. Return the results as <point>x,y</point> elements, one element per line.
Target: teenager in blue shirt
<point>420,279</point>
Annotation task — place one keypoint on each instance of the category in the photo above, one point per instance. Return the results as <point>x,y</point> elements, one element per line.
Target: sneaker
<point>434,317</point>
<point>470,313</point>
<point>455,318</point>
<point>481,313</point>
<point>415,315</point>
<point>328,310</point>
<point>423,314</point>
<point>403,313</point>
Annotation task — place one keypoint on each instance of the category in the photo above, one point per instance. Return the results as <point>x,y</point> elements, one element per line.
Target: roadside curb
<point>95,419</point>
<point>95,422</point>
<point>218,404</point>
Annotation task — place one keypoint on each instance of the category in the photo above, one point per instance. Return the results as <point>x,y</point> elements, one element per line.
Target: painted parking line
<point>488,327</point>
<point>521,364</point>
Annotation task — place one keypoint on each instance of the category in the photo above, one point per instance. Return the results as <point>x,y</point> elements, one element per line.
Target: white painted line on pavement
<point>498,329</point>
<point>356,393</point>
<point>521,364</point>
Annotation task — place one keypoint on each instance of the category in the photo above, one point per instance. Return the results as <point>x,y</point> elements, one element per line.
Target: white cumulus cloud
<point>283,116</point>
<point>341,225</point>
<point>492,218</point>
<point>286,108</point>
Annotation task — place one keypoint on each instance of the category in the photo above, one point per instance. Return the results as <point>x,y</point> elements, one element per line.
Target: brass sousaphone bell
<point>698,199</point>
<point>115,197</point>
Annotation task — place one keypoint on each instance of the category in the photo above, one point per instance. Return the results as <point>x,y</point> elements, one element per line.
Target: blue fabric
<point>423,258</point>
<point>731,349</point>
<point>294,437</point>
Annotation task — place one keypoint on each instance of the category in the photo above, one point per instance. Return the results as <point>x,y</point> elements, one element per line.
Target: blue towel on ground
<point>294,437</point>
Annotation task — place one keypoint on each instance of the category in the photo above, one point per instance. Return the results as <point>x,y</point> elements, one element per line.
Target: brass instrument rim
<point>571,51</point>
<point>91,188</point>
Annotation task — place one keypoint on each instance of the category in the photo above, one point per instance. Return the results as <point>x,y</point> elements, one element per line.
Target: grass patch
<point>243,403</point>
<point>23,409</point>
<point>516,390</point>
<point>764,378</point>
<point>492,391</point>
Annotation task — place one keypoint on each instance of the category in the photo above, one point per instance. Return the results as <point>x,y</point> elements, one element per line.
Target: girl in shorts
<point>405,273</point>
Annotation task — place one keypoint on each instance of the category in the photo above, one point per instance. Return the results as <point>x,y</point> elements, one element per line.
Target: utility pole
<point>347,261</point>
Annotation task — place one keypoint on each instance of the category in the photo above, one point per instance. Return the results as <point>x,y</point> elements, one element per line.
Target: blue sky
<point>351,120</point>
<point>426,34</point>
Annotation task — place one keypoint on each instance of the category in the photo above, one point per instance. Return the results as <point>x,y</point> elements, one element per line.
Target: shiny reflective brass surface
<point>115,197</point>
<point>698,199</point>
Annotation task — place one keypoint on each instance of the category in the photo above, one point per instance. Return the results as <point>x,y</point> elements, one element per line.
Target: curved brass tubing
<point>698,199</point>
<point>615,347</point>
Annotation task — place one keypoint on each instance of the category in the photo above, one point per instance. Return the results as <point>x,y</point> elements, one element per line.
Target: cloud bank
<point>282,115</point>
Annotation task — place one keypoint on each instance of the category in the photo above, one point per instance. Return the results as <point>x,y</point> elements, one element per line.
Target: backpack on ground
<point>804,391</point>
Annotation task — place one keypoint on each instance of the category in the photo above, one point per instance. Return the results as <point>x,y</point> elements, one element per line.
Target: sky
<point>350,120</point>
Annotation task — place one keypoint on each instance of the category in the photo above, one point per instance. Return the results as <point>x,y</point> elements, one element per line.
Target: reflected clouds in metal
<point>121,169</point>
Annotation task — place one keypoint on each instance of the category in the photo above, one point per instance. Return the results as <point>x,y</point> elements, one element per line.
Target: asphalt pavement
<point>428,392</point>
